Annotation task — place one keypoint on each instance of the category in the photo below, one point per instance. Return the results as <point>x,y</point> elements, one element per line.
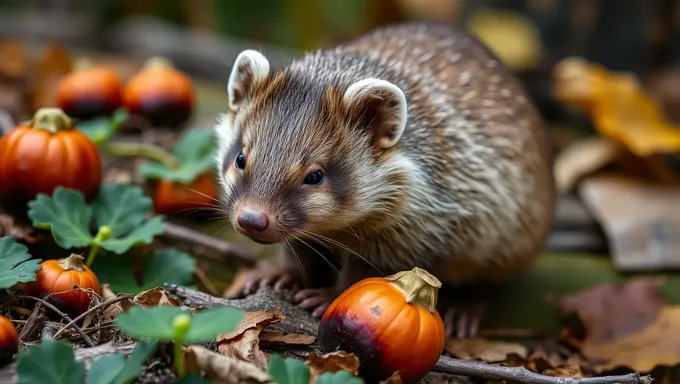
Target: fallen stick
<point>224,248</point>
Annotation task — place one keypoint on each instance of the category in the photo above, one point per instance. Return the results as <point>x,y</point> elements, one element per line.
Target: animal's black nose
<point>252,220</point>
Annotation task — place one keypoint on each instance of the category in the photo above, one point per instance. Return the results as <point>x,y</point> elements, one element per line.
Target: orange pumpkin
<point>45,153</point>
<point>9,340</point>
<point>89,91</point>
<point>390,323</point>
<point>57,278</point>
<point>160,93</point>
<point>173,197</point>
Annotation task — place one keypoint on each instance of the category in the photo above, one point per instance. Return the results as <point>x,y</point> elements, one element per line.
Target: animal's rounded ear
<point>381,106</point>
<point>250,68</point>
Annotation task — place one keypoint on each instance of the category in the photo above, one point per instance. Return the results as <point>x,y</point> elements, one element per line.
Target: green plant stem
<point>177,356</point>
<point>148,151</point>
<point>103,234</point>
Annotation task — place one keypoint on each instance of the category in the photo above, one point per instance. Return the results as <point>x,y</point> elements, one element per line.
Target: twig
<point>184,234</point>
<point>35,322</point>
<point>96,307</point>
<point>56,310</point>
<point>487,371</point>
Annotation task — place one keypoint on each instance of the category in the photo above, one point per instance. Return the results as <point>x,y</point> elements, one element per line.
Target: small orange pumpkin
<point>9,340</point>
<point>390,323</point>
<point>45,153</point>
<point>173,197</point>
<point>160,93</point>
<point>89,91</point>
<point>60,276</point>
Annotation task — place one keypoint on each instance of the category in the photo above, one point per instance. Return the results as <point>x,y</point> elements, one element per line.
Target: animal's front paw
<point>316,300</point>
<point>278,279</point>
<point>462,320</point>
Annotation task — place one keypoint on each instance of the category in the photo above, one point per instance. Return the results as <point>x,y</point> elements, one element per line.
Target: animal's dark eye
<point>314,178</point>
<point>240,161</point>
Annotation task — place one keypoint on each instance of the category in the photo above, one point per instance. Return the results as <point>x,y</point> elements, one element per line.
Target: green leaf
<point>117,271</point>
<point>339,377</point>
<point>101,129</point>
<point>122,207</point>
<point>288,371</point>
<point>209,323</point>
<point>195,152</point>
<point>157,322</point>
<point>15,266</point>
<point>143,234</point>
<point>65,214</point>
<point>168,266</point>
<point>192,378</point>
<point>49,362</point>
<point>152,322</point>
<point>115,369</point>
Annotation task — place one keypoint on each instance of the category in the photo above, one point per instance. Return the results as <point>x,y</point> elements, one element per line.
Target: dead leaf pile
<point>331,362</point>
<point>626,325</point>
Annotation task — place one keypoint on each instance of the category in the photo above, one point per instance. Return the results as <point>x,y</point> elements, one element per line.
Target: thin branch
<point>184,234</point>
<point>56,310</point>
<point>487,371</point>
<point>96,307</point>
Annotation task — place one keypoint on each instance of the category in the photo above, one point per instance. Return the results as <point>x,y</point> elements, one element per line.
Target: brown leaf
<point>24,233</point>
<point>482,349</point>
<point>155,297</point>
<point>394,379</point>
<point>331,362</point>
<point>107,293</point>
<point>222,369</point>
<point>243,342</point>
<point>272,337</point>
<point>656,345</point>
<point>612,311</point>
<point>582,158</point>
<point>111,311</point>
<point>640,220</point>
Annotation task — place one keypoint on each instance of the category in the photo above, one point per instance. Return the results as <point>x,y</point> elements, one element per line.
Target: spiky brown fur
<point>466,192</point>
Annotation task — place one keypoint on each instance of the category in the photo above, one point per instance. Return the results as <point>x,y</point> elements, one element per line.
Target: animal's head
<point>301,155</point>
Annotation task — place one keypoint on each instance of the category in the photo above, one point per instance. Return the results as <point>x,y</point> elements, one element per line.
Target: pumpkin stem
<point>73,262</point>
<point>52,120</point>
<point>157,62</point>
<point>419,286</point>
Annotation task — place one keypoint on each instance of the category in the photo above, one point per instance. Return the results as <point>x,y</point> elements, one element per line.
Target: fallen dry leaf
<point>617,104</point>
<point>612,311</point>
<point>489,351</point>
<point>640,219</point>
<point>24,233</point>
<point>331,362</point>
<point>656,345</point>
<point>111,311</point>
<point>394,379</point>
<point>582,158</point>
<point>243,343</point>
<point>271,338</point>
<point>222,369</point>
<point>155,297</point>
<point>541,363</point>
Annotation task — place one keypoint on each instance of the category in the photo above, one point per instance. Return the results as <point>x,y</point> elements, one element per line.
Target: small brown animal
<point>411,146</point>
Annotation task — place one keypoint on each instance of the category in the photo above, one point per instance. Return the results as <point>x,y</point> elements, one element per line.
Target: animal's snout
<point>252,220</point>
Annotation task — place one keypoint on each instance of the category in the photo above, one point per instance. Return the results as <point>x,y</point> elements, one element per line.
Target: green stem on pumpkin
<point>148,151</point>
<point>419,287</point>
<point>181,325</point>
<point>52,120</point>
<point>102,235</point>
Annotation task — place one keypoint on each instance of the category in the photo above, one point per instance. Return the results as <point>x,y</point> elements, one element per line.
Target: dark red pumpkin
<point>89,91</point>
<point>160,93</point>
<point>9,340</point>
<point>390,323</point>
<point>174,197</point>
<point>56,278</point>
<point>45,153</point>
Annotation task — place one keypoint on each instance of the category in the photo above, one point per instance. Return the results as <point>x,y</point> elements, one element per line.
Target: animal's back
<point>482,192</point>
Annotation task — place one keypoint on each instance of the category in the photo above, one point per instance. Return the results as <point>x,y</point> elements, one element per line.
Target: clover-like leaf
<point>115,369</point>
<point>339,377</point>
<point>288,371</point>
<point>65,214</point>
<point>51,362</point>
<point>143,234</point>
<point>101,129</point>
<point>121,207</point>
<point>195,153</point>
<point>157,323</point>
<point>209,323</point>
<point>151,322</point>
<point>15,266</point>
